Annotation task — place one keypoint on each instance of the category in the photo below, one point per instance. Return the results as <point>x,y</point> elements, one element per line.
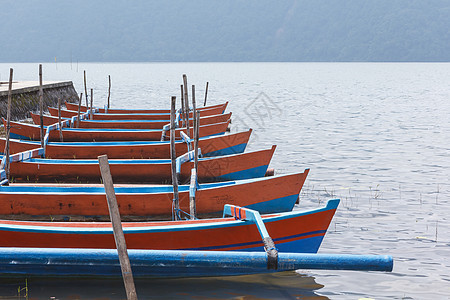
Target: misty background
<point>233,30</point>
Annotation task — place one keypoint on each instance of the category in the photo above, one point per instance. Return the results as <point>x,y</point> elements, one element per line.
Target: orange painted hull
<point>163,116</point>
<point>230,167</point>
<point>268,194</point>
<point>32,132</point>
<point>156,124</point>
<point>210,146</point>
<point>292,232</point>
<point>74,106</point>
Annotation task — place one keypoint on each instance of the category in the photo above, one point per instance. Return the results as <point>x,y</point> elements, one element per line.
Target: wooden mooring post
<point>192,203</point>
<point>91,114</point>
<point>41,106</point>
<point>8,123</point>
<point>186,105</point>
<point>109,89</point>
<point>79,110</point>
<point>85,90</point>
<point>119,236</point>
<point>196,128</point>
<point>173,158</point>
<point>206,93</point>
<point>196,138</point>
<point>183,112</point>
<point>59,120</point>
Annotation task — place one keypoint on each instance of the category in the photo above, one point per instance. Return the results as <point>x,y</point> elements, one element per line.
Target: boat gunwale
<point>154,226</point>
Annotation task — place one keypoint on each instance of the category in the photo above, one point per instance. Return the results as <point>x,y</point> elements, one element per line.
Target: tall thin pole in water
<point>79,110</point>
<point>173,157</point>
<point>186,105</point>
<point>85,90</point>
<point>109,89</point>
<point>8,123</point>
<point>192,204</point>
<point>119,236</point>
<point>41,105</point>
<point>59,120</point>
<point>196,138</point>
<point>206,93</point>
<point>183,112</point>
<point>92,103</point>
<point>194,107</point>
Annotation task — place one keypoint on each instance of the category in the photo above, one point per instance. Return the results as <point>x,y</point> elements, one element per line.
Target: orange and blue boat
<point>246,244</point>
<point>129,124</point>
<point>296,231</point>
<point>71,201</point>
<point>220,168</point>
<point>83,108</point>
<point>134,116</point>
<point>25,131</point>
<point>210,146</point>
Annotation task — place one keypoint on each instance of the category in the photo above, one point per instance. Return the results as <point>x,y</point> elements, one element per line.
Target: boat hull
<point>26,131</point>
<point>132,116</point>
<point>230,167</point>
<point>210,146</point>
<point>297,232</point>
<point>130,124</point>
<point>74,106</point>
<point>267,195</point>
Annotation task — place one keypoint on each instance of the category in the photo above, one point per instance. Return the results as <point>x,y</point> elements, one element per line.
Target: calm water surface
<point>377,136</point>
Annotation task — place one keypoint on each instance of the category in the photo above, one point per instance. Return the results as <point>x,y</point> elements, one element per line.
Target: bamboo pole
<point>194,114</point>
<point>206,93</point>
<point>192,204</point>
<point>194,106</point>
<point>92,103</point>
<point>173,157</point>
<point>41,105</point>
<point>183,112</point>
<point>196,138</point>
<point>85,89</point>
<point>193,185</point>
<point>186,104</point>
<point>119,236</point>
<point>8,123</point>
<point>79,110</point>
<point>109,89</point>
<point>59,120</point>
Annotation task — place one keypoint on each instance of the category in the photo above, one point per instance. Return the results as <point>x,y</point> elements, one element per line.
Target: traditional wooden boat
<point>210,146</point>
<point>132,116</point>
<point>83,108</point>
<point>230,167</point>
<point>27,131</point>
<point>130,124</point>
<point>299,232</point>
<point>267,195</point>
<point>69,263</point>
<point>296,231</point>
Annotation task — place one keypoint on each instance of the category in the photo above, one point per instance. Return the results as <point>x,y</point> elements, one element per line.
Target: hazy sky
<point>302,30</point>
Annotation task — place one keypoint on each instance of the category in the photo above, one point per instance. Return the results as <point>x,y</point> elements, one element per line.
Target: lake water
<point>375,135</point>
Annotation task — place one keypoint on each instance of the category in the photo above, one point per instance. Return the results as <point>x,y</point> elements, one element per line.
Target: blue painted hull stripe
<point>128,190</point>
<point>226,151</point>
<point>18,136</point>
<point>245,174</point>
<point>162,229</point>
<point>122,143</point>
<point>259,243</point>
